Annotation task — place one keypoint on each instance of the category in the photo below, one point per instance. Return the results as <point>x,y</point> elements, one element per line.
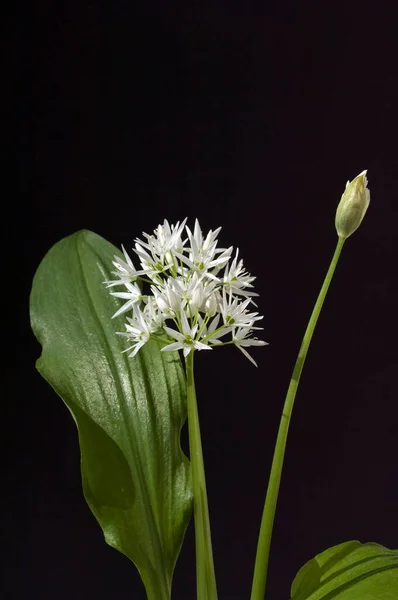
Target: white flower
<point>125,271</point>
<point>241,340</point>
<point>202,252</point>
<point>152,264</point>
<point>138,330</point>
<point>153,315</point>
<point>235,314</point>
<point>133,296</point>
<point>168,300</point>
<point>200,246</point>
<point>166,239</point>
<point>236,279</point>
<point>186,339</point>
<point>211,334</point>
<point>189,290</point>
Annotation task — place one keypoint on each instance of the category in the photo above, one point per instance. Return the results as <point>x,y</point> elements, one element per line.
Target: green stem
<point>267,522</point>
<point>157,588</point>
<point>205,575</point>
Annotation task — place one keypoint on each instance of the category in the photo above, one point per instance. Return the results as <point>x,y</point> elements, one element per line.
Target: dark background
<point>251,116</point>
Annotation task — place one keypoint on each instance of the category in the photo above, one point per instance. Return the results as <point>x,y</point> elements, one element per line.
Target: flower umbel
<point>196,297</point>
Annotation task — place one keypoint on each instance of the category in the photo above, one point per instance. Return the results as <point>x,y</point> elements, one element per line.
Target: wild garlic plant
<point>112,357</point>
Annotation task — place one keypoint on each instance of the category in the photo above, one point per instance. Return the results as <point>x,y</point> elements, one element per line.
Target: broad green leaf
<point>129,412</point>
<point>349,571</point>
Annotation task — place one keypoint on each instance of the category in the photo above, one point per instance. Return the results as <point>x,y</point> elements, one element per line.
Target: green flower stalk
<point>205,574</point>
<point>350,212</point>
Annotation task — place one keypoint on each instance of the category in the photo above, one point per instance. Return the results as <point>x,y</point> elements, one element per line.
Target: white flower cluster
<point>194,286</point>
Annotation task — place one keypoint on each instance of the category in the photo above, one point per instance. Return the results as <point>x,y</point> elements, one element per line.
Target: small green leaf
<point>129,412</point>
<point>349,571</point>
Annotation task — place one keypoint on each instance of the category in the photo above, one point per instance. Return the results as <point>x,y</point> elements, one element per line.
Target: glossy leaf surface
<point>129,412</point>
<point>349,571</point>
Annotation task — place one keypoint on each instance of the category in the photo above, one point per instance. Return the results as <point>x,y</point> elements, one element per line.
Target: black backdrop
<point>251,116</point>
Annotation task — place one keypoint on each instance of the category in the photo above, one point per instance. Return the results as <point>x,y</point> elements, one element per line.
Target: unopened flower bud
<point>174,300</point>
<point>211,305</point>
<point>198,296</point>
<point>353,206</point>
